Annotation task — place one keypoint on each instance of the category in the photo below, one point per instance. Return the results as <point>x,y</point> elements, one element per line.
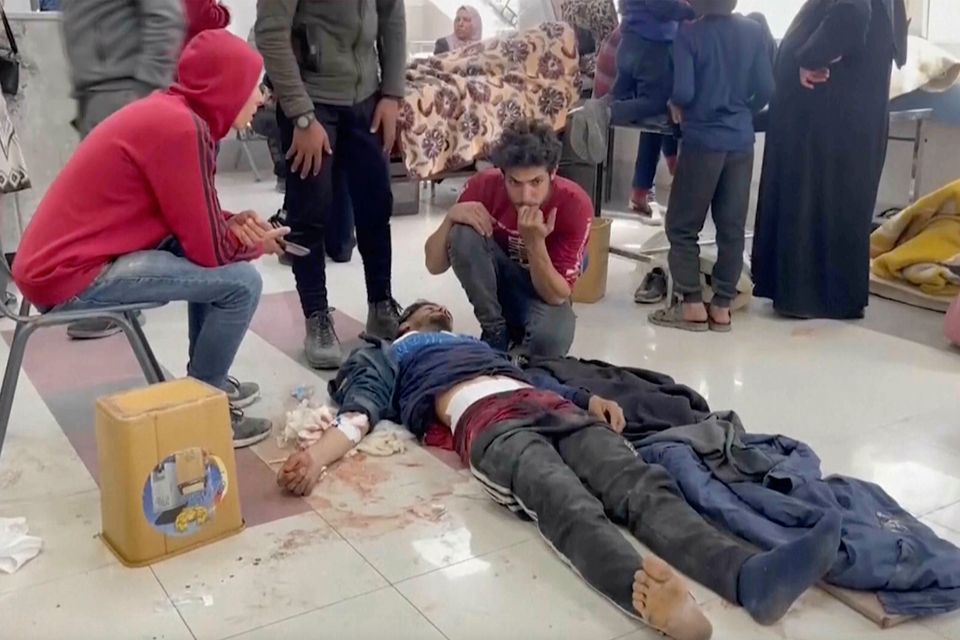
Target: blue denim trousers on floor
<point>221,302</point>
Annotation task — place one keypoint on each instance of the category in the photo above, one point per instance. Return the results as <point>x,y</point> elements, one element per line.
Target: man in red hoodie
<point>134,217</point>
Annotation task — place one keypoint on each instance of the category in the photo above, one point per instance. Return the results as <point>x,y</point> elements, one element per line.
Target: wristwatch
<point>304,121</point>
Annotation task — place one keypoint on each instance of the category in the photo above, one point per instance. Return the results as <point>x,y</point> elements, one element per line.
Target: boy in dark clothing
<point>722,77</point>
<point>555,453</point>
<point>644,68</point>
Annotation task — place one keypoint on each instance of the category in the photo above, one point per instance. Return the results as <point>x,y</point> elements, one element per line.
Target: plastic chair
<point>27,323</point>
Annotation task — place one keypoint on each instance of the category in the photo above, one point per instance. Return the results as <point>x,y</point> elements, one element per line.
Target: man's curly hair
<point>527,143</point>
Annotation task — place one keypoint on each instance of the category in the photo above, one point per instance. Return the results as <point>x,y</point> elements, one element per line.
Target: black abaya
<point>825,150</point>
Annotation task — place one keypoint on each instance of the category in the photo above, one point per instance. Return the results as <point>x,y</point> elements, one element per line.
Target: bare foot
<point>300,473</point>
<point>695,312</point>
<point>661,598</point>
<point>720,315</point>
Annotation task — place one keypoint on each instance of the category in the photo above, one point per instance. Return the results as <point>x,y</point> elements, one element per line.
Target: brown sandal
<point>672,317</point>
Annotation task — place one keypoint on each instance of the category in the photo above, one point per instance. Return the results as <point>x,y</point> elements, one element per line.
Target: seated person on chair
<point>134,217</point>
<point>515,240</point>
<point>554,453</point>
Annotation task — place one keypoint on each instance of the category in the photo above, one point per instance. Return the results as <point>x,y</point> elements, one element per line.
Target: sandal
<point>672,317</point>
<point>719,327</point>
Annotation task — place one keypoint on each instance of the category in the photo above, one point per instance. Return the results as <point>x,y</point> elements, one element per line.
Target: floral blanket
<point>458,103</point>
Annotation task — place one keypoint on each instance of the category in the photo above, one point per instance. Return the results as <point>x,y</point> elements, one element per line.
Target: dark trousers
<point>644,80</point>
<point>504,299</point>
<point>311,200</point>
<point>716,181</point>
<point>577,478</point>
<point>648,157</point>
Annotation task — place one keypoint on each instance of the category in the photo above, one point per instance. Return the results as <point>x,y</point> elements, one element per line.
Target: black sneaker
<point>653,289</point>
<point>95,329</point>
<point>321,345</point>
<point>248,431</point>
<point>383,319</point>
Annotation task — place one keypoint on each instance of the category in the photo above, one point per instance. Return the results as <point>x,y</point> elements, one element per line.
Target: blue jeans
<point>504,299</point>
<point>648,157</point>
<point>221,301</point>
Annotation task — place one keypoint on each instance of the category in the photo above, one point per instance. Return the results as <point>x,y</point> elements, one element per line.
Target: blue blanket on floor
<point>769,490</point>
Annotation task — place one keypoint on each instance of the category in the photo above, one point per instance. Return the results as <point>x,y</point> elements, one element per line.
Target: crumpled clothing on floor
<point>17,547</point>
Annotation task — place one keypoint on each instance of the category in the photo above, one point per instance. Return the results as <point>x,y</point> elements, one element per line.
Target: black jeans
<point>705,181</point>
<point>577,478</point>
<point>311,200</point>
<point>504,299</point>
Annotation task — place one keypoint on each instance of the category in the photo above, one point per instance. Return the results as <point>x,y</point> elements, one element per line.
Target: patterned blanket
<point>458,103</point>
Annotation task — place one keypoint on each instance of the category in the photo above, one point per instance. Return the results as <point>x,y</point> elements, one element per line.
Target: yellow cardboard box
<point>592,285</point>
<point>168,476</point>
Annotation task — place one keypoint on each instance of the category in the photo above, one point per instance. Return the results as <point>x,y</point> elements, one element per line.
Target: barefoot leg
<point>661,598</point>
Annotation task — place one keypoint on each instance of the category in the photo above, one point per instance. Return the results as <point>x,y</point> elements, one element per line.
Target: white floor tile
<point>815,616</point>
<point>264,575</point>
<point>375,616</point>
<point>523,592</point>
<point>113,603</point>
<point>410,514</point>
<point>70,529</point>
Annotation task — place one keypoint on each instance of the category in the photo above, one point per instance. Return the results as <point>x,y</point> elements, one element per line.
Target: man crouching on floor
<point>515,240</point>
<point>555,453</point>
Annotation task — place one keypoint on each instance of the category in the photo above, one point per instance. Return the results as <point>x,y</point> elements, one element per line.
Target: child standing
<point>644,81</point>
<point>722,76</point>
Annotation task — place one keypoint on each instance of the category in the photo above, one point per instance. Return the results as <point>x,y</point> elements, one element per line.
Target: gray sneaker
<point>248,431</point>
<point>653,289</point>
<point>322,345</point>
<point>241,394</point>
<point>97,328</point>
<point>383,319</point>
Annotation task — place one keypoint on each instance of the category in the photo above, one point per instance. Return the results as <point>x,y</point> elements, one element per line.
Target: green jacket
<point>337,52</point>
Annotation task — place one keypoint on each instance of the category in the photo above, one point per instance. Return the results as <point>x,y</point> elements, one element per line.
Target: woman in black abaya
<point>825,149</point>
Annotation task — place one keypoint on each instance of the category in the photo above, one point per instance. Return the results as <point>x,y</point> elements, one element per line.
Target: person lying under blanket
<point>554,453</point>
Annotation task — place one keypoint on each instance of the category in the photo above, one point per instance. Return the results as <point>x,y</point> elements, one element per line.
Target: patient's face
<point>463,25</point>
<point>528,186</point>
<point>430,318</point>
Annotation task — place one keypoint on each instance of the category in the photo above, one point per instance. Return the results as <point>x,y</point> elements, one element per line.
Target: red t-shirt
<point>569,238</point>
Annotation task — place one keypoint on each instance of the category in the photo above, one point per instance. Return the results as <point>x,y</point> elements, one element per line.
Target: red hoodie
<point>202,15</point>
<point>144,174</point>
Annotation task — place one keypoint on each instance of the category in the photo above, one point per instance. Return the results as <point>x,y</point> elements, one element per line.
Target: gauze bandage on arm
<point>353,426</point>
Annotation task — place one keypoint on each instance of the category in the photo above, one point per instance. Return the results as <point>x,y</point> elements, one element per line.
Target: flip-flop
<point>720,327</point>
<point>672,317</point>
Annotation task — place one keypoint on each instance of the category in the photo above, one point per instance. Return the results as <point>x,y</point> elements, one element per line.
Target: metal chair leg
<point>141,348</point>
<point>253,165</point>
<point>11,376</point>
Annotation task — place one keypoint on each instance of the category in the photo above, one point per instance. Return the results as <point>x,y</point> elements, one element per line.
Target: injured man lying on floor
<point>555,453</point>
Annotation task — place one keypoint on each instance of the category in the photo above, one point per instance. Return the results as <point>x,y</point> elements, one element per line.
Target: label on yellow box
<point>181,495</point>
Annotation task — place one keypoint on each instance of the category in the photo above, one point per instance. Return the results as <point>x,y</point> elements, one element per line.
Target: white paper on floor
<point>17,547</point>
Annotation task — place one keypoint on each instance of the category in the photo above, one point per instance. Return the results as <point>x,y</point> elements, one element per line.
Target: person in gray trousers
<point>119,51</point>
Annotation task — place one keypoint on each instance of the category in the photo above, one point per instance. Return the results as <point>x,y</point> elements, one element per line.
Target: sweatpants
<point>538,454</point>
<point>310,201</point>
<point>717,181</point>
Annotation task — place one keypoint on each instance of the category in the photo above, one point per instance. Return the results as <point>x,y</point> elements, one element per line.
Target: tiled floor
<point>365,557</point>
